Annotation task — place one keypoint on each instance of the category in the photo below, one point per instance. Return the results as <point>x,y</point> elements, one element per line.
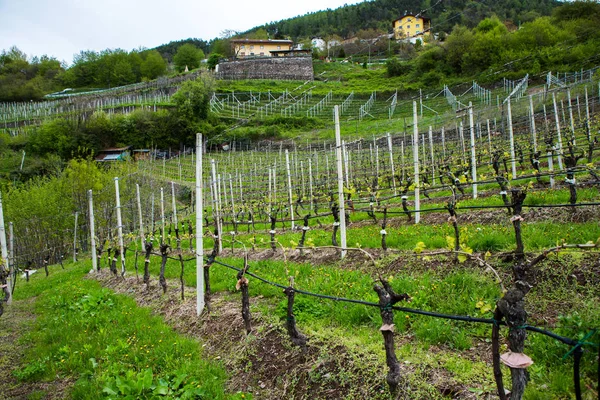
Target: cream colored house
<point>411,27</point>
<point>259,47</point>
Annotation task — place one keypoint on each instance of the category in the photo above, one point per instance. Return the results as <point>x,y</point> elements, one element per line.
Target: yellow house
<point>259,47</point>
<point>411,27</point>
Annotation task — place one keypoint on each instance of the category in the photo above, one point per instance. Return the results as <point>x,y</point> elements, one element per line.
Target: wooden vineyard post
<point>139,207</point>
<point>75,238</point>
<point>511,138</point>
<point>340,180</point>
<point>558,135</point>
<point>92,231</point>
<point>120,227</point>
<point>389,140</point>
<point>473,156</point>
<point>5,267</point>
<point>416,163</point>
<point>289,182</point>
<point>199,228</point>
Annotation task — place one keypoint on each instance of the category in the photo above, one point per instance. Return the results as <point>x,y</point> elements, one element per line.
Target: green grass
<point>109,345</point>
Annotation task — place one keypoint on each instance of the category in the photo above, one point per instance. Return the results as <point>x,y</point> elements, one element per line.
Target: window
<point>418,25</point>
<point>418,32</point>
<point>262,47</point>
<point>242,47</point>
<point>262,54</point>
<point>407,26</point>
<point>243,53</point>
<point>278,47</point>
<point>251,54</point>
<point>410,20</point>
<point>252,47</point>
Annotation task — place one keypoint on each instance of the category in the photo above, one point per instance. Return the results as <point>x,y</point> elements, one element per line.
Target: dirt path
<point>16,321</point>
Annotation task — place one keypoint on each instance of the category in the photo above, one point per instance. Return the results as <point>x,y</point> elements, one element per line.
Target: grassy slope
<point>104,345</point>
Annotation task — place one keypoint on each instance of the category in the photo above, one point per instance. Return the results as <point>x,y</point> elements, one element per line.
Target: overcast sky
<point>62,28</point>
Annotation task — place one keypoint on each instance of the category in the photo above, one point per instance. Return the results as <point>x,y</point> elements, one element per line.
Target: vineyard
<point>468,238</point>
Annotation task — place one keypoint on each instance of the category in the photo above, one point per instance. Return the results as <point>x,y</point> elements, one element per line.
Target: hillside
<point>348,20</point>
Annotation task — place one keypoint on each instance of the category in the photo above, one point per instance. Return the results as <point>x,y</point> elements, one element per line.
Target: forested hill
<point>379,14</point>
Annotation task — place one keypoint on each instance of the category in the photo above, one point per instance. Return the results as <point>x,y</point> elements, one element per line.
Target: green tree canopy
<point>154,65</point>
<point>187,55</point>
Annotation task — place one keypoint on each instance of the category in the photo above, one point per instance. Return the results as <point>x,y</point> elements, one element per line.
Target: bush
<point>396,68</point>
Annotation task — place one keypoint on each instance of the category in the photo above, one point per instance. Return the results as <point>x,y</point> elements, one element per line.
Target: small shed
<point>114,154</point>
<point>141,154</point>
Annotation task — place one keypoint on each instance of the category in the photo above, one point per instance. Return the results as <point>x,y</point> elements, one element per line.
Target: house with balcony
<point>244,48</point>
<point>411,27</point>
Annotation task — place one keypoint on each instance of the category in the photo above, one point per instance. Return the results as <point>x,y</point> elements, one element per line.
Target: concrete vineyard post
<point>432,158</point>
<point>402,159</point>
<point>571,115</point>
<point>444,142</point>
<point>489,139</point>
<point>174,205</point>
<point>92,231</point>
<point>289,182</point>
<point>162,215</point>
<point>558,135</point>
<point>473,156</point>
<point>310,185</point>
<point>231,194</point>
<point>75,238</point>
<point>199,229</point>
<point>533,132</point>
<point>416,162</point>
<point>377,161</point>
<point>345,158</point>
<point>389,141</point>
<point>139,207</point>
<point>11,249</point>
<point>340,180</point>
<point>270,188</point>
<point>511,138</point>
<point>4,253</point>
<point>120,226</point>
<point>215,202</point>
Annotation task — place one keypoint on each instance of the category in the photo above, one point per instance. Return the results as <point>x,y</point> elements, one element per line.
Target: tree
<point>192,108</point>
<point>154,65</point>
<point>187,55</point>
<point>213,60</point>
<point>192,98</point>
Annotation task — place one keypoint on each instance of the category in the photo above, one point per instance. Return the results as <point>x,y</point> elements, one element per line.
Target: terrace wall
<point>280,68</point>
